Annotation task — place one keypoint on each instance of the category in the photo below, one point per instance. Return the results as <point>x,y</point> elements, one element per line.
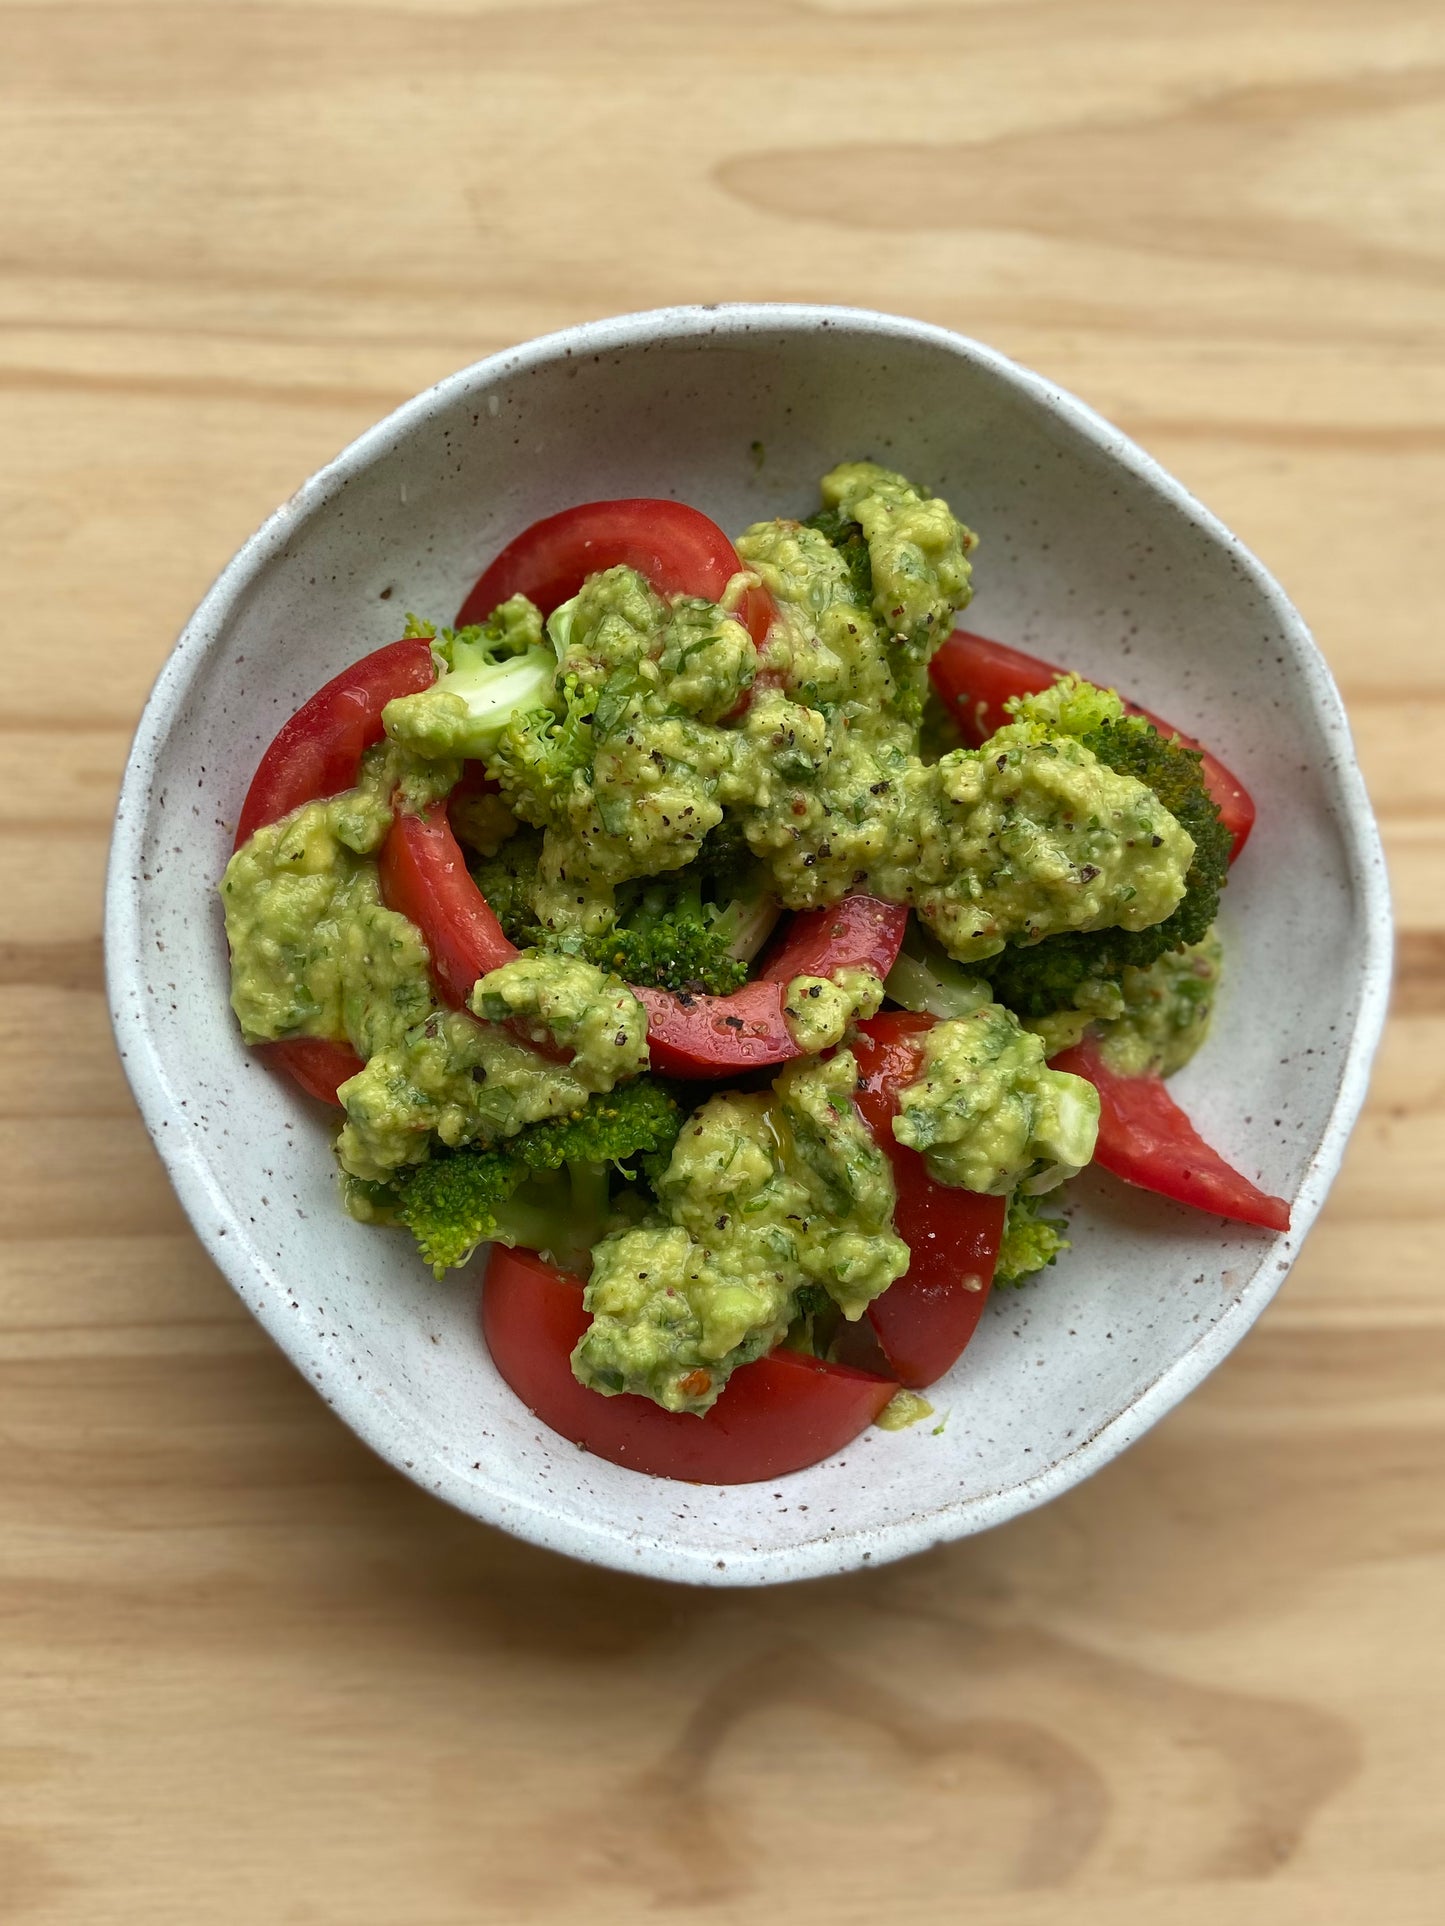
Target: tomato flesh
<point>924,1320</point>
<point>677,548</point>
<point>318,751</point>
<point>976,677</point>
<point>1145,1138</point>
<point>778,1415</point>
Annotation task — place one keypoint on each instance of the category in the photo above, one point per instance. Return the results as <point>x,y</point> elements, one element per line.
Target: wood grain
<point>247,1673</point>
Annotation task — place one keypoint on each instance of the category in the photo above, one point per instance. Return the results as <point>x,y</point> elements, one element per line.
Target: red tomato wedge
<point>976,677</point>
<point>318,1065</point>
<point>676,547</point>
<point>1145,1138</point>
<point>715,1036</point>
<point>924,1320</point>
<point>317,753</point>
<point>861,932</point>
<point>424,876</point>
<point>776,1416</point>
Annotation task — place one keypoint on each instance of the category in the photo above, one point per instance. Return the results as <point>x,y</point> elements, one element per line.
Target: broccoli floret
<point>514,1192</point>
<point>672,940</point>
<point>699,929</point>
<point>507,881</point>
<point>1037,979</point>
<point>487,675</point>
<point>1031,1241</point>
<point>737,884</point>
<point>695,930</point>
<point>669,940</point>
<point>544,748</point>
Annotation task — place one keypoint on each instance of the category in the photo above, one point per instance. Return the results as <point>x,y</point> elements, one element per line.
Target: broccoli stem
<point>562,1214</point>
<point>533,1226</point>
<point>747,925</point>
<point>925,978</point>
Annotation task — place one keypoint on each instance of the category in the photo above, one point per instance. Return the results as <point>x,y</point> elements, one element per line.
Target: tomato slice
<point>861,932</point>
<point>424,876</point>
<point>1145,1138</point>
<point>976,677</point>
<point>318,1065</point>
<point>925,1319</point>
<point>716,1036</point>
<point>318,752</point>
<point>676,547</point>
<point>779,1415</point>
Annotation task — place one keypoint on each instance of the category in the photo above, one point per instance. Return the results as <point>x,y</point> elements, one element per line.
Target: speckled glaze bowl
<point>1090,554</point>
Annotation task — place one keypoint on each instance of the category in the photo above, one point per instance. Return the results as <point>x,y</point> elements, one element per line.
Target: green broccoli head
<point>1031,1241</point>
<point>538,751</point>
<point>456,1202</point>
<point>1037,979</point>
<point>507,881</point>
<point>487,675</point>
<point>671,940</point>
<point>544,1188</point>
<point>1068,707</point>
<point>694,930</point>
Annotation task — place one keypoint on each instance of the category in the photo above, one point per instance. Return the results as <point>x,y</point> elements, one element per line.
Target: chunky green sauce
<point>648,683</point>
<point>1167,1011</point>
<point>765,1193</point>
<point>820,1010</point>
<point>457,1080</point>
<point>988,1114</point>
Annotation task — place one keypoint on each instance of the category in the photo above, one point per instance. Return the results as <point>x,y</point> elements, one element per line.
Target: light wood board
<point>246,1673</point>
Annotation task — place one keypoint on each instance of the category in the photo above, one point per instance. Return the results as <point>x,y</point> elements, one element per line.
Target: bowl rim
<point>206,1206</point>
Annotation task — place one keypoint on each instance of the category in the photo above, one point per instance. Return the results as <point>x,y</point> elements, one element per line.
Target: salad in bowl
<point>743,954</point>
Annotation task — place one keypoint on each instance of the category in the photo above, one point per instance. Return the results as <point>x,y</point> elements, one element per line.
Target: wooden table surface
<point>246,1673</point>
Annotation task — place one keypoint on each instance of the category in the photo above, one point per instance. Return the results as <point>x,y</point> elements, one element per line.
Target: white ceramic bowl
<point>1090,554</point>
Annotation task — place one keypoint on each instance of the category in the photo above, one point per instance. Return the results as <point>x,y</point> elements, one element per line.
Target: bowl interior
<point>1088,555</point>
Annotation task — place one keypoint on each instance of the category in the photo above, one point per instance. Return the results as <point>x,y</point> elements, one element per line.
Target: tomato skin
<point>425,878</point>
<point>781,1414</point>
<point>716,1036</point>
<point>924,1320</point>
<point>676,547</point>
<point>319,1065</point>
<point>1145,1138</point>
<point>976,677</point>
<point>861,932</point>
<point>318,751</point>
